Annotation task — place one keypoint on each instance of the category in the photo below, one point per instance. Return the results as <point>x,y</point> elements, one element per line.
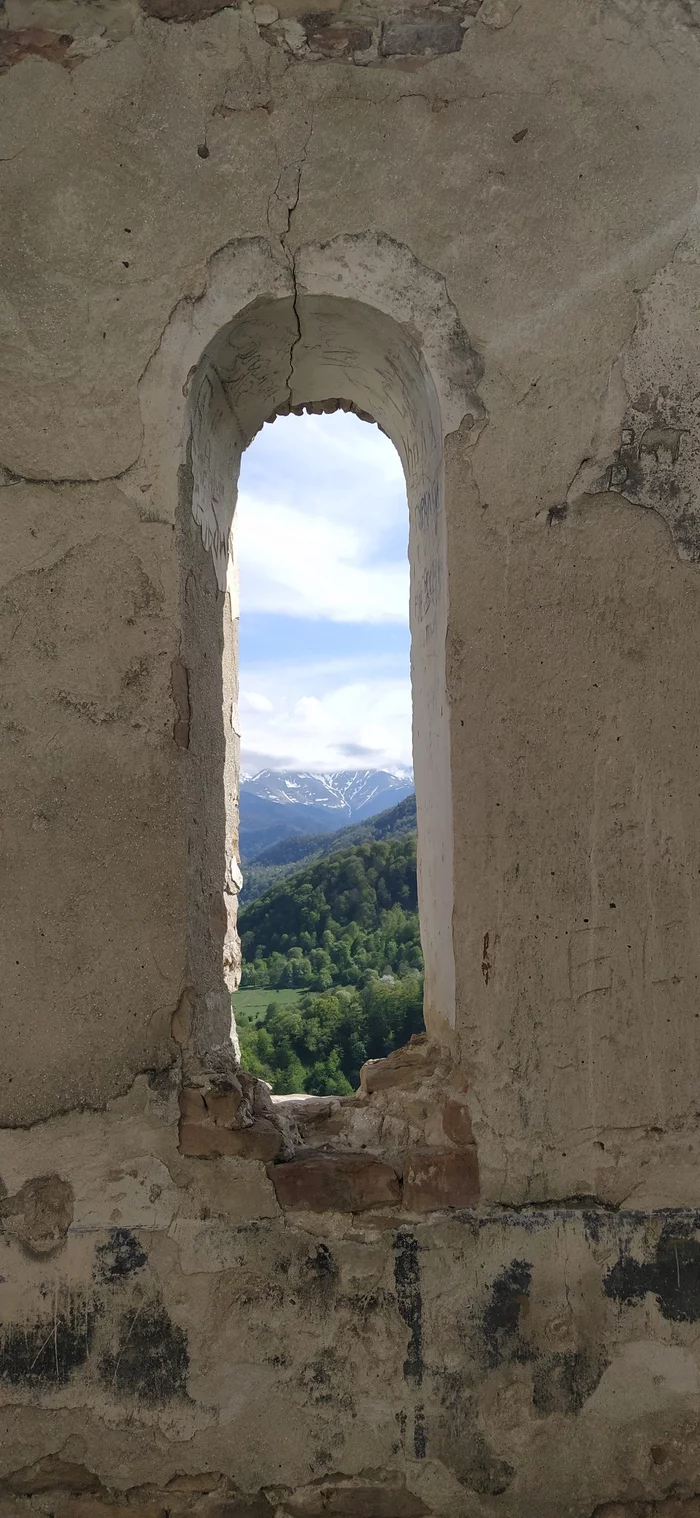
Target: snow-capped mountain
<point>276,804</point>
<point>353,791</point>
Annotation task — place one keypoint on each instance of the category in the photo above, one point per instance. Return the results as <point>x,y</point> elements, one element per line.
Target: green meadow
<point>250,1007</point>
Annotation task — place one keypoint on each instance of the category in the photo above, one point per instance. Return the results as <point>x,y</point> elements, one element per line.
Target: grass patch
<point>250,1007</point>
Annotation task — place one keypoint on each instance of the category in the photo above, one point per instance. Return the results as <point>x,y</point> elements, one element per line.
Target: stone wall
<point>472,1288</point>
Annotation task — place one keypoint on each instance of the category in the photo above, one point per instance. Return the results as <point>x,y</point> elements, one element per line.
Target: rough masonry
<point>473,1288</point>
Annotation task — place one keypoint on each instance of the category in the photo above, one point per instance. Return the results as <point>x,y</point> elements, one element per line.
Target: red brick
<point>433,1180</point>
<point>322,1182</point>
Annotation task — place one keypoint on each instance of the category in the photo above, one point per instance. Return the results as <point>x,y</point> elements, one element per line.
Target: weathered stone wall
<point>475,1287</point>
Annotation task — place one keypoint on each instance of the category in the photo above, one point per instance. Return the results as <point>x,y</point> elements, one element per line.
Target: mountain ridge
<point>279,804</point>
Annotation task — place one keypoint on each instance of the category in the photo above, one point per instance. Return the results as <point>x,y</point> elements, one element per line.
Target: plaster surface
<point>510,190</point>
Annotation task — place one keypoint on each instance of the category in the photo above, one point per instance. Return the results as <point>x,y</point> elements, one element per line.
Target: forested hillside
<point>344,931</point>
<point>333,923</point>
<point>319,1045</point>
<point>285,857</point>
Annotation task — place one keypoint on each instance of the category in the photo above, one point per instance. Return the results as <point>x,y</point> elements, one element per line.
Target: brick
<point>667,1507</point>
<point>261,1141</point>
<point>434,1180</point>
<point>374,1502</point>
<point>457,1123</point>
<point>338,41</point>
<point>435,32</point>
<point>322,1182</point>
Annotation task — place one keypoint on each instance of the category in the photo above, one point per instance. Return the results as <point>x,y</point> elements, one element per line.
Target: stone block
<point>260,1141</point>
<point>434,32</point>
<point>112,1506</point>
<point>434,1180</point>
<point>405,1068</point>
<point>498,13</point>
<point>336,41</point>
<point>223,1106</point>
<point>322,1182</point>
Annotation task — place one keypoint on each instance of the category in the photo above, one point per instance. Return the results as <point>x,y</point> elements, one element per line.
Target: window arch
<point>357,323</point>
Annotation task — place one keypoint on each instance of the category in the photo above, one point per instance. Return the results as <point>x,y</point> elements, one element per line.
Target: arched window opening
<point>357,323</point>
<point>332,966</point>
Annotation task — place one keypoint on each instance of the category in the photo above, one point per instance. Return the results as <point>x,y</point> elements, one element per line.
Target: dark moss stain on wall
<point>486,1473</point>
<point>410,1303</point>
<point>48,1351</point>
<point>672,1276</point>
<point>501,1317</point>
<point>420,1437</point>
<point>563,1381</point>
<point>149,1358</point>
<point>458,1440</point>
<point>120,1257</point>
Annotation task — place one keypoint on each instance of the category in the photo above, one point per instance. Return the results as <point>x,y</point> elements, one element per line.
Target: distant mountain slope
<point>275,806</point>
<point>290,854</point>
<point>264,822</point>
<point>389,824</point>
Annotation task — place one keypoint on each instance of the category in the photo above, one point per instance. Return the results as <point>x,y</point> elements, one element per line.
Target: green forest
<point>293,854</point>
<point>343,932</point>
<point>319,1045</point>
<point>333,923</point>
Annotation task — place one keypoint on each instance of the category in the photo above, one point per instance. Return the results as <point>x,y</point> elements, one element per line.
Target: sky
<point>322,547</point>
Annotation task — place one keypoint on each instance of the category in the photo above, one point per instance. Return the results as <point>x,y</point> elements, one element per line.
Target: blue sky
<point>321,543</point>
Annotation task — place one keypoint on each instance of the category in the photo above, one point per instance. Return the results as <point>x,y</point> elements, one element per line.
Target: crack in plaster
<point>290,206</point>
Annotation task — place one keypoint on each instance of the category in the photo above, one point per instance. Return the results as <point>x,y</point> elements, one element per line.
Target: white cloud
<point>309,710</point>
<point>330,717</point>
<point>321,535</point>
<point>321,523</point>
<point>251,700</point>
